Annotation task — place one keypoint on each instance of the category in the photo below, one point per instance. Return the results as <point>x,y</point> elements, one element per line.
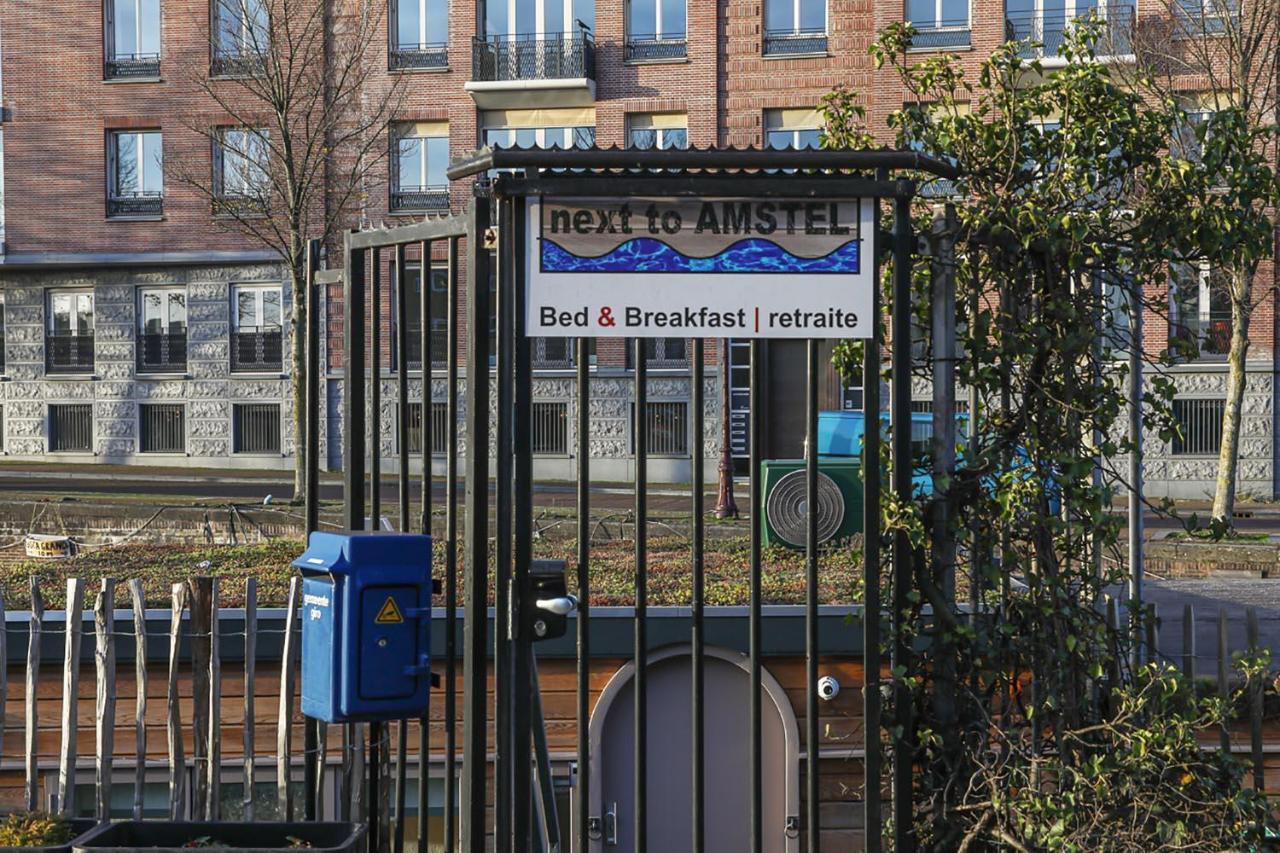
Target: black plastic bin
<point>79,829</point>
<point>135,835</point>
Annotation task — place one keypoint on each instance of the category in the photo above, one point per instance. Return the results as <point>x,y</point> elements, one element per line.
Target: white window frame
<point>796,6</point>
<point>423,9</point>
<point>540,25</point>
<point>143,190</point>
<point>540,133</point>
<point>1204,308</point>
<point>258,289</point>
<point>659,132</point>
<point>938,26</point>
<point>78,292</point>
<point>113,51</point>
<point>245,186</point>
<point>164,290</point>
<point>245,43</point>
<point>658,35</point>
<point>421,140</point>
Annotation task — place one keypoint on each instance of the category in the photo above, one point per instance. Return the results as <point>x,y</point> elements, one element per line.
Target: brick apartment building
<point>139,328</point>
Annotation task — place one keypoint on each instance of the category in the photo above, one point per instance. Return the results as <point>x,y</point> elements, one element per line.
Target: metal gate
<point>493,236</point>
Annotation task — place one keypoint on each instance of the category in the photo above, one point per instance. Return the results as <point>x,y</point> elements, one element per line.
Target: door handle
<point>611,825</point>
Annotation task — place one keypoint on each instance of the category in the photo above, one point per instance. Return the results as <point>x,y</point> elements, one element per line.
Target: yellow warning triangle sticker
<point>389,614</point>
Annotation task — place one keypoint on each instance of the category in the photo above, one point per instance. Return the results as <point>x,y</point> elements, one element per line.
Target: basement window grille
<point>162,428</point>
<point>550,429</point>
<point>70,428</point>
<point>666,427</point>
<point>1199,426</point>
<point>256,427</point>
<point>439,429</point>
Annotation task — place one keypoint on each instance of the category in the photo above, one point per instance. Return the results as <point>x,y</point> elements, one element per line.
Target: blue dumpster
<point>366,623</point>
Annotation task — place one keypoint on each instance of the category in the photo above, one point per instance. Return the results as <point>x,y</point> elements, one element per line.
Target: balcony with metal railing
<point>439,344</point>
<point>141,203</point>
<point>793,42</point>
<point>941,35</point>
<point>1043,34</point>
<point>655,48</point>
<point>257,349</point>
<point>416,57</point>
<point>131,66</point>
<point>162,352</point>
<point>533,70</point>
<point>68,352</point>
<point>230,62</point>
<point>414,199</point>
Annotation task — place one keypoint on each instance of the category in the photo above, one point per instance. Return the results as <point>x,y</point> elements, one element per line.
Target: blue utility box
<point>366,626</point>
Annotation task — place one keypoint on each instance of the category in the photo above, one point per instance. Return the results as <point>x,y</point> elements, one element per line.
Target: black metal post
<point>400,289</point>
<point>900,402</point>
<point>503,694</point>
<point>641,645</point>
<point>755,452</point>
<point>697,403</point>
<point>375,394</point>
<point>451,556</point>
<point>426,429</point>
<point>475,626</point>
<point>313,758</point>
<point>353,397</point>
<point>812,742</point>
<point>584,594</point>
<point>522,685</point>
<point>427,439</point>
<point>871,557</point>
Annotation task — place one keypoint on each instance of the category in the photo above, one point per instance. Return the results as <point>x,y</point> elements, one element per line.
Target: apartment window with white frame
<point>1198,18</point>
<point>657,130</point>
<point>133,39</point>
<point>939,23</point>
<point>792,128</point>
<point>421,156</point>
<point>795,27</point>
<point>540,137</point>
<point>1199,312</point>
<point>241,163</point>
<point>1044,25</point>
<point>162,330</point>
<point>69,332</point>
<point>257,328</point>
<point>241,36</point>
<point>656,30</point>
<point>419,34</point>
<point>135,162</point>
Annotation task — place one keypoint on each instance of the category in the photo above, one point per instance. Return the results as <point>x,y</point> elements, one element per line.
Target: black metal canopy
<point>671,162</point>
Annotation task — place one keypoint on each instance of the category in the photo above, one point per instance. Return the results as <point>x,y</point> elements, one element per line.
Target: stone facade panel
<point>209,447</point>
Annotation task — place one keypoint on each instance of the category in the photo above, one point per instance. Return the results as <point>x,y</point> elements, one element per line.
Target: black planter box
<point>130,836</point>
<point>79,829</point>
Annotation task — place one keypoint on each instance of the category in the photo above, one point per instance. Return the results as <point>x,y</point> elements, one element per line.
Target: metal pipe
<point>426,438</point>
<point>755,452</point>
<point>522,684</point>
<point>400,290</point>
<point>426,428</point>
<point>813,826</point>
<point>503,696</point>
<point>584,594</point>
<point>641,646</point>
<point>697,403</point>
<point>451,565</point>
<point>311,512</point>
<point>375,392</point>
<point>871,471</point>
<point>353,414</point>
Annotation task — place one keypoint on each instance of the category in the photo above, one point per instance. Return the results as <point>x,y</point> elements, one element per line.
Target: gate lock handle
<point>562,606</point>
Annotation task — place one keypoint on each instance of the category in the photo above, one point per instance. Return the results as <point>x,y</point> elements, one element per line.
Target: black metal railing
<point>1205,17</point>
<point>71,427</point>
<point>941,34</point>
<point>1045,34</point>
<point>69,353</point>
<point>439,429</point>
<point>405,198</point>
<point>131,66</point>
<point>645,48</point>
<point>795,41</point>
<point>255,428</point>
<point>408,57</point>
<point>533,57</point>
<point>161,428</point>
<point>144,203</point>
<point>257,349</point>
<point>550,423</point>
<point>160,352</point>
<point>237,63</point>
<point>413,346</point>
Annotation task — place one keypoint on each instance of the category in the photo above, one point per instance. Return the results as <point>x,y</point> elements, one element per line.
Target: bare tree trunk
<point>726,506</point>
<point>297,376</point>
<point>1224,497</point>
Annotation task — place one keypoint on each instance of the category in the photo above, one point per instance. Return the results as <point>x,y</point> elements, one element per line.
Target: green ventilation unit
<point>784,492</point>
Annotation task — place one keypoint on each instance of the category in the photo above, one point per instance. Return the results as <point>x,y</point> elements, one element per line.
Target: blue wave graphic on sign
<point>746,256</point>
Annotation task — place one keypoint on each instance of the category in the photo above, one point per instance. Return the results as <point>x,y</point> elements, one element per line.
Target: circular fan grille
<point>786,508</point>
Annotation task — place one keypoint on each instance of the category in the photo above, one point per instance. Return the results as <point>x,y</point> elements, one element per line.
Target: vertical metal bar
<point>900,403</point>
<point>426,428</point>
<point>353,396</point>
<point>813,827</point>
<point>697,402</point>
<point>451,566</point>
<point>503,695</point>
<point>1135,466</point>
<point>584,595</point>
<point>522,684</point>
<point>377,841</point>
<point>754,623</point>
<point>640,649</point>
<point>943,309</point>
<point>475,712</point>
<point>375,404</point>
<point>426,437</point>
<point>1256,686</point>
<point>399,288</point>
<point>871,556</point>
<point>311,728</point>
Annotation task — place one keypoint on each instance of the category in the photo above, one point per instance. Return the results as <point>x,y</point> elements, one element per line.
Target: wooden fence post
<point>177,762</point>
<point>33,679</point>
<point>137,596</point>
<point>214,766</point>
<point>70,695</point>
<point>250,653</point>
<point>201,594</point>
<point>1223,687</point>
<point>284,725</point>
<point>105,669</point>
<point>1255,703</point>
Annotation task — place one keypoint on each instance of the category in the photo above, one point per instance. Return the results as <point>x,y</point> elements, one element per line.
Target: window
<point>1116,334</point>
<point>70,428</point>
<point>136,163</point>
<point>660,352</point>
<point>162,428</point>
<point>939,23</point>
<point>1199,312</point>
<point>535,40</point>
<point>2,332</point>
<point>560,353</point>
<point>133,39</point>
<point>540,137</point>
<point>240,37</point>
<point>1205,17</point>
<point>419,34</point>
<point>240,162</point>
<point>1044,24</point>
<point>550,432</point>
<point>257,332</point>
<point>1189,134</point>
<point>788,128</point>
<point>795,26</point>
<point>656,30</point>
<point>155,798</point>
<point>439,308</point>
<point>162,330</point>
<point>69,340</point>
<point>439,429</point>
<point>666,427</point>
<point>255,428</point>
<point>657,130</point>
<point>1199,427</point>
<point>421,155</point>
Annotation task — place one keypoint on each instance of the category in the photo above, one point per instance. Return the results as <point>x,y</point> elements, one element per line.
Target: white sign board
<point>700,267</point>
